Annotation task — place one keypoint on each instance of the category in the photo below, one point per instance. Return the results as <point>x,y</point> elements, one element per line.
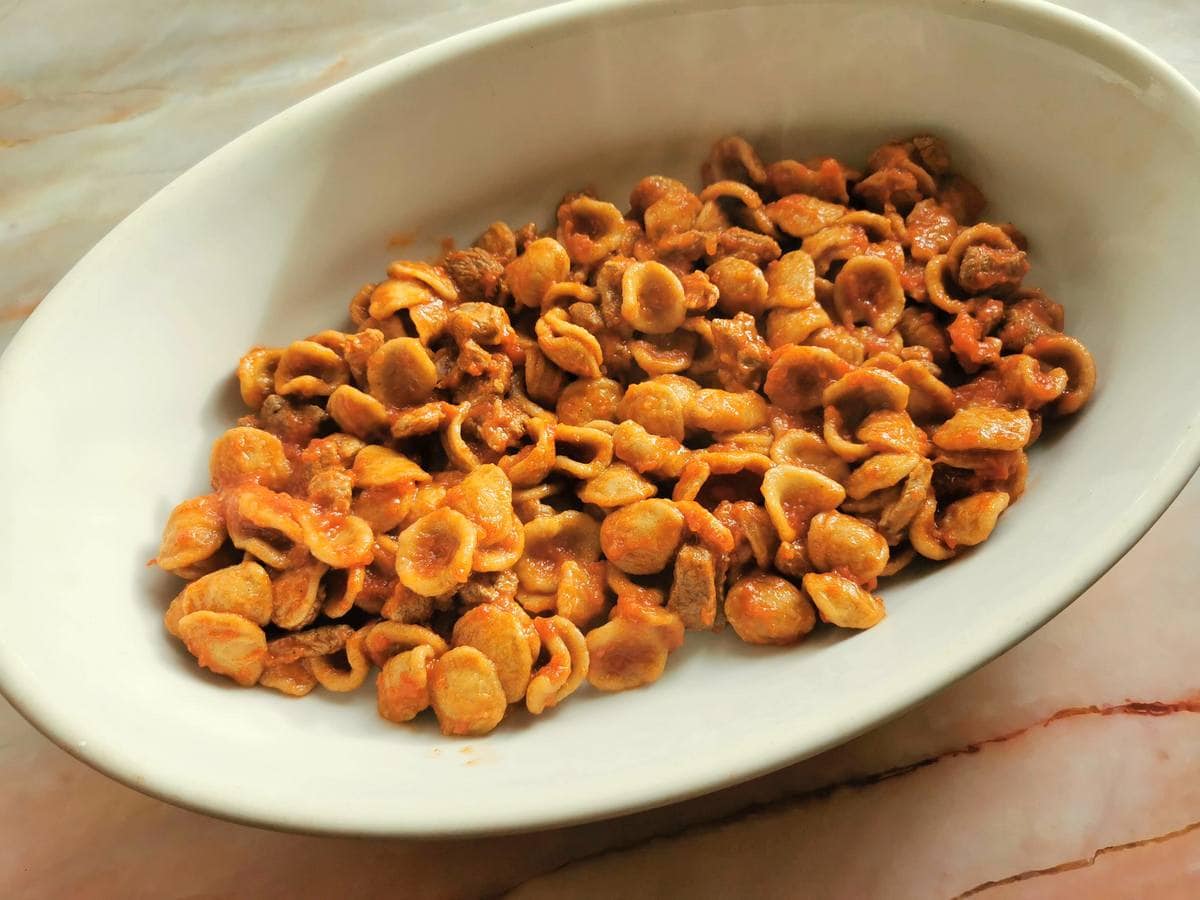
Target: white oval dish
<point>114,390</point>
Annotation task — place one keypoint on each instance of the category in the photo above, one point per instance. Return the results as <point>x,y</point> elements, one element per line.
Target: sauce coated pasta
<point>543,459</point>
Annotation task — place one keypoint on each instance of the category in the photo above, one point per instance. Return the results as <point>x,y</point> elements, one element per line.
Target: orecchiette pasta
<point>541,460</point>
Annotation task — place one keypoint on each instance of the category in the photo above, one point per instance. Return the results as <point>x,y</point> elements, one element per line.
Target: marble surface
<point>1065,768</point>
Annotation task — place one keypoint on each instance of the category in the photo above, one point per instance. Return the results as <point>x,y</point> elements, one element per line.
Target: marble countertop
<point>1065,768</point>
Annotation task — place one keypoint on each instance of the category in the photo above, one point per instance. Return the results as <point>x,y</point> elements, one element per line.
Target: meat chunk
<point>742,355</point>
<point>992,269</point>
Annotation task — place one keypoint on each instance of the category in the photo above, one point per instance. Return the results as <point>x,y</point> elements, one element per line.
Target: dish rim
<point>741,761</point>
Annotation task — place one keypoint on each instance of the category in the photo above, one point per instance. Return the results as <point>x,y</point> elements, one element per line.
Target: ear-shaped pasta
<point>458,451</point>
<point>694,588</point>
<point>741,202</point>
<point>794,494</point>
<point>667,354</point>
<point>630,650</point>
<point>396,294</point>
<point>867,289</point>
<point>590,229</point>
<point>798,377</point>
<point>985,428</point>
<point>970,521</point>
<point>245,455</point>
<point>582,452</point>
<point>298,595</point>
<point>503,553</point>
<point>642,538</point>
<point>928,397</point>
<point>850,399</point>
<point>530,465</point>
<point>580,595</point>
<point>618,485</point>
<point>505,635</point>
<point>703,476</point>
<point>723,411</point>
<point>840,241</point>
<point>892,431</point>
<point>588,400</point>
<point>567,345</point>
<point>433,277</point>
<point>552,540</point>
<point>244,590</point>
<point>485,498</point>
<point>265,525</point>
<point>925,535</point>
<point>345,670</point>
<point>401,373</point>
<point>309,369</point>
<point>732,158</point>
<point>798,447</point>
<point>741,286</point>
<point>898,514</point>
<point>654,406</point>
<point>338,540</point>
<point>225,643</point>
<point>465,691</point>
<point>194,532</point>
<point>1070,355</point>
<point>791,281</point>
<point>342,587</point>
<point>766,609</point>
<point>1026,382</point>
<point>291,678</point>
<point>849,546</point>
<point>387,639</point>
<point>565,669</point>
<point>435,553</point>
<point>795,326</point>
<point>376,466</point>
<point>256,375</point>
<point>883,470</point>
<point>402,685</point>
<point>800,215</point>
<point>648,453</point>
<point>358,413</point>
<point>543,263</point>
<point>707,528</point>
<point>652,298</point>
<point>843,603</point>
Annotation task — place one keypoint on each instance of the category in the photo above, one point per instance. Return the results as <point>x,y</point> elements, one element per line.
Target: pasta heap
<point>544,458</point>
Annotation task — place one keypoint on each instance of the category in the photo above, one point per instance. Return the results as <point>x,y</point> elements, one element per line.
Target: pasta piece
<point>466,693</point>
<point>244,590</point>
<point>766,609</point>
<point>843,603</point>
<point>194,532</point>
<point>652,298</point>
<point>248,456</point>
<point>506,636</point>
<point>435,553</point>
<point>543,263</point>
<point>565,668</point>
<point>642,538</point>
<point>225,643</point>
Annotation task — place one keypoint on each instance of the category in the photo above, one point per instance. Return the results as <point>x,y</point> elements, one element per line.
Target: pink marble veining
<point>1065,768</point>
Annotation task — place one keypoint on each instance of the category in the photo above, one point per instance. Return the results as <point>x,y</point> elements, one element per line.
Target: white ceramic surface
<point>115,388</point>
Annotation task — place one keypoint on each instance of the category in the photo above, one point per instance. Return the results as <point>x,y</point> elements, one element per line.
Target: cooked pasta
<point>539,461</point>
